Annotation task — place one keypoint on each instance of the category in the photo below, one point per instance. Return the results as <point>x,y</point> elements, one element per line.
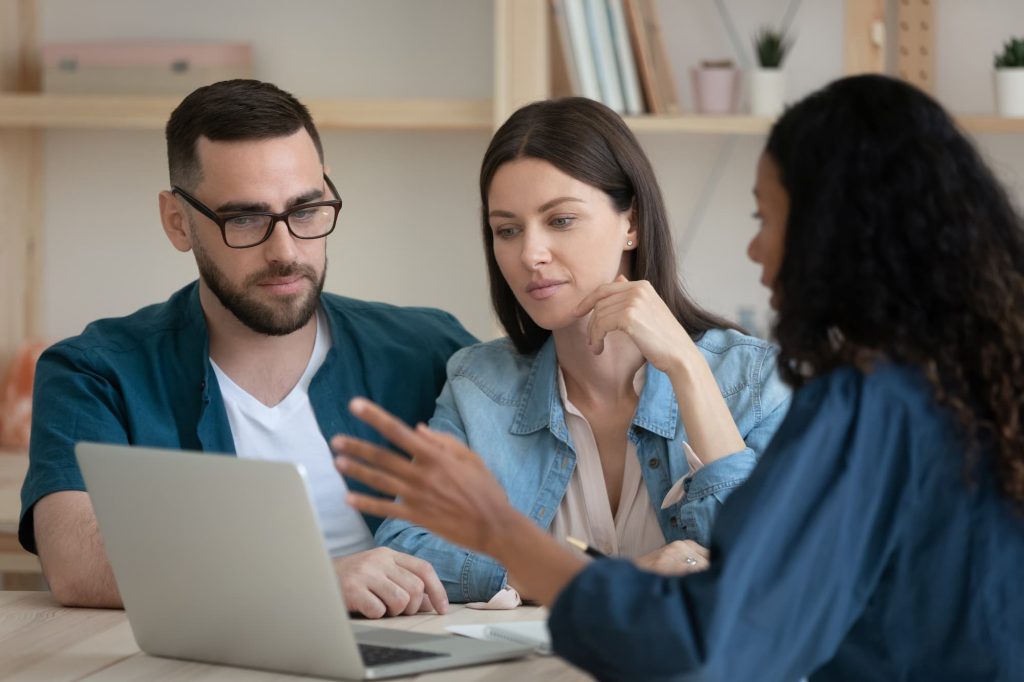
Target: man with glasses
<point>250,359</point>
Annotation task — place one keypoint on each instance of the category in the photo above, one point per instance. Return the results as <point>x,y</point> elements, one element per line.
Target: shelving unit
<point>521,63</point>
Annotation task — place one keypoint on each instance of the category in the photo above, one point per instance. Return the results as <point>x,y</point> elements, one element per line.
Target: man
<point>251,359</point>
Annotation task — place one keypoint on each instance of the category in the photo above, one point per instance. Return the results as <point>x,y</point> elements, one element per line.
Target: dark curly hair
<point>901,244</point>
<point>590,142</point>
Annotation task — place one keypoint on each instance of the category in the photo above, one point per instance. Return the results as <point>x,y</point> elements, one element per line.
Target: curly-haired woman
<point>881,536</point>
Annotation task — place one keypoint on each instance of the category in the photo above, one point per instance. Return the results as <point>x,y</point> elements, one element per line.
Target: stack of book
<point>612,51</point>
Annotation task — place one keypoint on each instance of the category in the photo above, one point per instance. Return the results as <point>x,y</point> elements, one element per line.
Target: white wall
<point>408,232</point>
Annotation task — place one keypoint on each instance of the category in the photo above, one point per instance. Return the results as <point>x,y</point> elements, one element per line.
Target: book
<point>583,54</point>
<point>604,55</point>
<point>565,80</point>
<point>666,82</point>
<point>624,58</point>
<point>656,80</point>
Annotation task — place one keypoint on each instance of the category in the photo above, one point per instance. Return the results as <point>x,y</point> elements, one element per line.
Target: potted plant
<point>1009,78</point>
<point>768,80</point>
<point>716,85</point>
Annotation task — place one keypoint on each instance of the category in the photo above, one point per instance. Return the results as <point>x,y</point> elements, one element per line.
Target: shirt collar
<point>541,404</point>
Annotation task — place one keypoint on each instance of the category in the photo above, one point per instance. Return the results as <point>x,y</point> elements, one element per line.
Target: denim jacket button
<point>674,521</point>
<point>653,462</point>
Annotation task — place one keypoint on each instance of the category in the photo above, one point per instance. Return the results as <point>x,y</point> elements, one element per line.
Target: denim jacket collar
<point>541,405</point>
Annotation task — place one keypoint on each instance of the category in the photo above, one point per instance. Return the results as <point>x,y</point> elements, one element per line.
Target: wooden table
<point>40,640</point>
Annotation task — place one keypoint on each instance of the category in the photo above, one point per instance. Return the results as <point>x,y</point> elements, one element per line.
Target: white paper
<point>532,632</point>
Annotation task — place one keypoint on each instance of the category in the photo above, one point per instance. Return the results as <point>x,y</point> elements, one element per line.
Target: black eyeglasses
<point>242,230</point>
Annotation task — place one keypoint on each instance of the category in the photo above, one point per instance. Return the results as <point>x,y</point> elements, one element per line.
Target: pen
<point>585,548</point>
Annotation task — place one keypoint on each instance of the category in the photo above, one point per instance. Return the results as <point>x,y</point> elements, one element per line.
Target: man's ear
<point>175,222</point>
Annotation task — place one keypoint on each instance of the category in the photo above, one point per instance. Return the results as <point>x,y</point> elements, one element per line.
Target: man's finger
<point>411,584</point>
<point>391,593</point>
<point>432,586</point>
<point>362,601</point>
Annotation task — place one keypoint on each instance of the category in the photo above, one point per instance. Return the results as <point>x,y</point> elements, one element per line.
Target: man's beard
<point>280,320</point>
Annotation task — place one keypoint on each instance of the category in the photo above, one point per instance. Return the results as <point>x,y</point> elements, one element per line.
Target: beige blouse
<point>585,512</point>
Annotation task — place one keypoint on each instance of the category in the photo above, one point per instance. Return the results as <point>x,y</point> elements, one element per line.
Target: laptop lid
<point>221,559</point>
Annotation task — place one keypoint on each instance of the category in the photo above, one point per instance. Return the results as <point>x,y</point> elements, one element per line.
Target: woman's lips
<point>543,289</point>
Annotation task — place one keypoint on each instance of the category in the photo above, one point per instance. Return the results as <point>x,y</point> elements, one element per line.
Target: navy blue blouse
<point>857,550</point>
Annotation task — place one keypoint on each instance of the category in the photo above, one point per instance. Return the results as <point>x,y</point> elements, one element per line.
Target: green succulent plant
<point>1012,56</point>
<point>771,46</point>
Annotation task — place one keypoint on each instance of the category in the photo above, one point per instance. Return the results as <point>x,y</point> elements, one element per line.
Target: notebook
<point>533,633</point>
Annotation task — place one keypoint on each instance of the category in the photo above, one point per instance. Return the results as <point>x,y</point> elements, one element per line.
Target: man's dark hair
<point>240,109</point>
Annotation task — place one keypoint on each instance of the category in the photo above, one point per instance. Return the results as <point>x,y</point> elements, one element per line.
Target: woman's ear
<point>175,222</point>
<point>633,232</point>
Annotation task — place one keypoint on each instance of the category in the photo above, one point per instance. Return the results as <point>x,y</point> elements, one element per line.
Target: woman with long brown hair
<point>617,411</point>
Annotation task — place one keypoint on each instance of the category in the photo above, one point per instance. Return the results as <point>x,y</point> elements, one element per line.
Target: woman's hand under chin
<point>636,309</point>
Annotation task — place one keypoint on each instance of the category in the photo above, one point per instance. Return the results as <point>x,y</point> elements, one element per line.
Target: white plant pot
<point>1009,84</point>
<point>767,92</point>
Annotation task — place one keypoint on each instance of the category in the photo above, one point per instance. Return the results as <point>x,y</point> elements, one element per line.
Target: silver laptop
<point>221,560</point>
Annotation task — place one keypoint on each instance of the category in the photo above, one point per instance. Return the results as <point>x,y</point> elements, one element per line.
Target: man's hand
<point>676,558</point>
<point>381,582</point>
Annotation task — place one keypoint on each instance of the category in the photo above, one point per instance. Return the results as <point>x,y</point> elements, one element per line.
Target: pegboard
<point>915,42</point>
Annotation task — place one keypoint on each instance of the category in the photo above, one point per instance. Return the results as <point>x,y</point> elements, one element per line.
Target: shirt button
<point>673,522</point>
<point>654,462</point>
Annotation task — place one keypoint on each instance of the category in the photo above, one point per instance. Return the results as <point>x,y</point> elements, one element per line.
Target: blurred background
<point>409,230</point>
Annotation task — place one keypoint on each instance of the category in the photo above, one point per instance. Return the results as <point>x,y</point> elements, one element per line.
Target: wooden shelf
<point>991,124</point>
<point>754,125</point>
<point>700,124</point>
<point>136,112</point>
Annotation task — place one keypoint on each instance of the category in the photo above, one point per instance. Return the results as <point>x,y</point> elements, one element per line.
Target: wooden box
<point>141,68</point>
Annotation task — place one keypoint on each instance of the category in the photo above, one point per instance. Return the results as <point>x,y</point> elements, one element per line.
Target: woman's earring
<point>629,242</point>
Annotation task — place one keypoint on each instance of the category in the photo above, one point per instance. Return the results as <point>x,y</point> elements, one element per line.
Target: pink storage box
<point>152,68</point>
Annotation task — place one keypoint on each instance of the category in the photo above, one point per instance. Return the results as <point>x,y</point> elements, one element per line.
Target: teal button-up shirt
<point>146,379</point>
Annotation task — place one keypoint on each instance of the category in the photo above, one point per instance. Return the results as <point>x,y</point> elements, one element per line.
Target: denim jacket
<point>506,406</point>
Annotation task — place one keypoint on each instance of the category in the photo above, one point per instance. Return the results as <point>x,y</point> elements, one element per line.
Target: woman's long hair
<point>591,143</point>
<point>901,243</point>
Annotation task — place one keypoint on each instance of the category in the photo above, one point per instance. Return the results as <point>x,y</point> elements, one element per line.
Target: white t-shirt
<point>289,432</point>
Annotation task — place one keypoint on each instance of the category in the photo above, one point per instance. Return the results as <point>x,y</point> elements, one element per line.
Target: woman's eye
<point>562,221</point>
<point>506,232</point>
